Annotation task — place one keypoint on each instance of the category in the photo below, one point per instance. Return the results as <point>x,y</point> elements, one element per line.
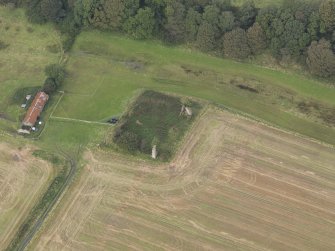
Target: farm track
<point>38,224</point>
<point>80,120</point>
<point>235,184</point>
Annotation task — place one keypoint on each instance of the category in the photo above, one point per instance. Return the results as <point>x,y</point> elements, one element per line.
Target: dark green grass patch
<point>19,96</point>
<point>3,45</point>
<point>49,156</point>
<point>317,109</point>
<point>154,119</point>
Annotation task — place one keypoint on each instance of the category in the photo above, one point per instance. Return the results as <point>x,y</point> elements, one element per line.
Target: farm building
<point>35,109</point>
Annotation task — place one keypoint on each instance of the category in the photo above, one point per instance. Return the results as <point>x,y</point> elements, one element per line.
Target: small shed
<point>22,131</point>
<point>35,109</point>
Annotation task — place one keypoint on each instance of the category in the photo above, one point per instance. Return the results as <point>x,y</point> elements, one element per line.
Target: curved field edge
<point>66,169</point>
<point>225,189</point>
<point>23,179</point>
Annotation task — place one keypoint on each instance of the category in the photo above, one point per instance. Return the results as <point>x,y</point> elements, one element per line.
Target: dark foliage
<point>49,86</point>
<point>236,37</point>
<point>55,72</point>
<point>3,45</point>
<point>154,119</point>
<point>247,88</point>
<point>321,59</point>
<point>55,77</point>
<point>287,30</point>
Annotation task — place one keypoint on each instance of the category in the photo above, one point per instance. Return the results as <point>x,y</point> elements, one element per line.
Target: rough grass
<point>102,82</point>
<point>19,96</point>
<point>154,119</point>
<point>22,62</point>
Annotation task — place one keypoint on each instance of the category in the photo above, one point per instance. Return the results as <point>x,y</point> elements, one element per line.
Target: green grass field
<point>105,71</point>
<point>22,62</point>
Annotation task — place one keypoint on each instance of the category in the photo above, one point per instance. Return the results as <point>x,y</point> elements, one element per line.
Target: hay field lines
<point>23,179</point>
<point>234,185</point>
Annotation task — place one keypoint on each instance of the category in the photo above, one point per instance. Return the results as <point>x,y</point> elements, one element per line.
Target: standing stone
<point>154,152</point>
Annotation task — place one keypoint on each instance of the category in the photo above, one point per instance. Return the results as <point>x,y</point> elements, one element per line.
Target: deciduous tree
<point>52,10</point>
<point>327,14</point>
<point>55,72</point>
<point>206,37</point>
<point>313,26</point>
<point>192,23</point>
<point>226,21</point>
<point>141,26</point>
<point>235,44</point>
<point>321,59</point>
<point>247,14</point>
<point>175,13</point>
<point>256,38</point>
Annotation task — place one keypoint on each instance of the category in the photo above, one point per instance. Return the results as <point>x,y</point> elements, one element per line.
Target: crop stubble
<point>22,180</point>
<point>235,184</point>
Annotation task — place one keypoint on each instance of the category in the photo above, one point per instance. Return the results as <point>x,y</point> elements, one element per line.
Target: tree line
<point>300,30</point>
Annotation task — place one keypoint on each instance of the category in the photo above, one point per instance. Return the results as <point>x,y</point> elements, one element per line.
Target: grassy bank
<point>105,72</point>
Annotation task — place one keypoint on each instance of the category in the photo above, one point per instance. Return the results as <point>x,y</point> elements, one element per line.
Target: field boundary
<point>26,235</point>
<point>267,123</point>
<point>206,165</point>
<point>79,120</point>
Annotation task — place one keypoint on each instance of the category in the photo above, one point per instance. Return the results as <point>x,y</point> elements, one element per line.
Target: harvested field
<point>235,185</point>
<point>22,180</point>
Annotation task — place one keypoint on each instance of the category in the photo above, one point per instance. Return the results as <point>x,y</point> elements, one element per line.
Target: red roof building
<point>35,109</point>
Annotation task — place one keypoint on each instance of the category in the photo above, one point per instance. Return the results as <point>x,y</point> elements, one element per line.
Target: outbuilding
<point>35,110</point>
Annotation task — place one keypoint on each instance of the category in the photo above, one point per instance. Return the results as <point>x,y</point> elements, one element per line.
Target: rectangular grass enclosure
<point>155,119</point>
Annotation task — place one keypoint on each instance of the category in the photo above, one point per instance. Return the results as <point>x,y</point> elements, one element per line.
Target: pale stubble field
<point>235,184</point>
<point>23,178</point>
